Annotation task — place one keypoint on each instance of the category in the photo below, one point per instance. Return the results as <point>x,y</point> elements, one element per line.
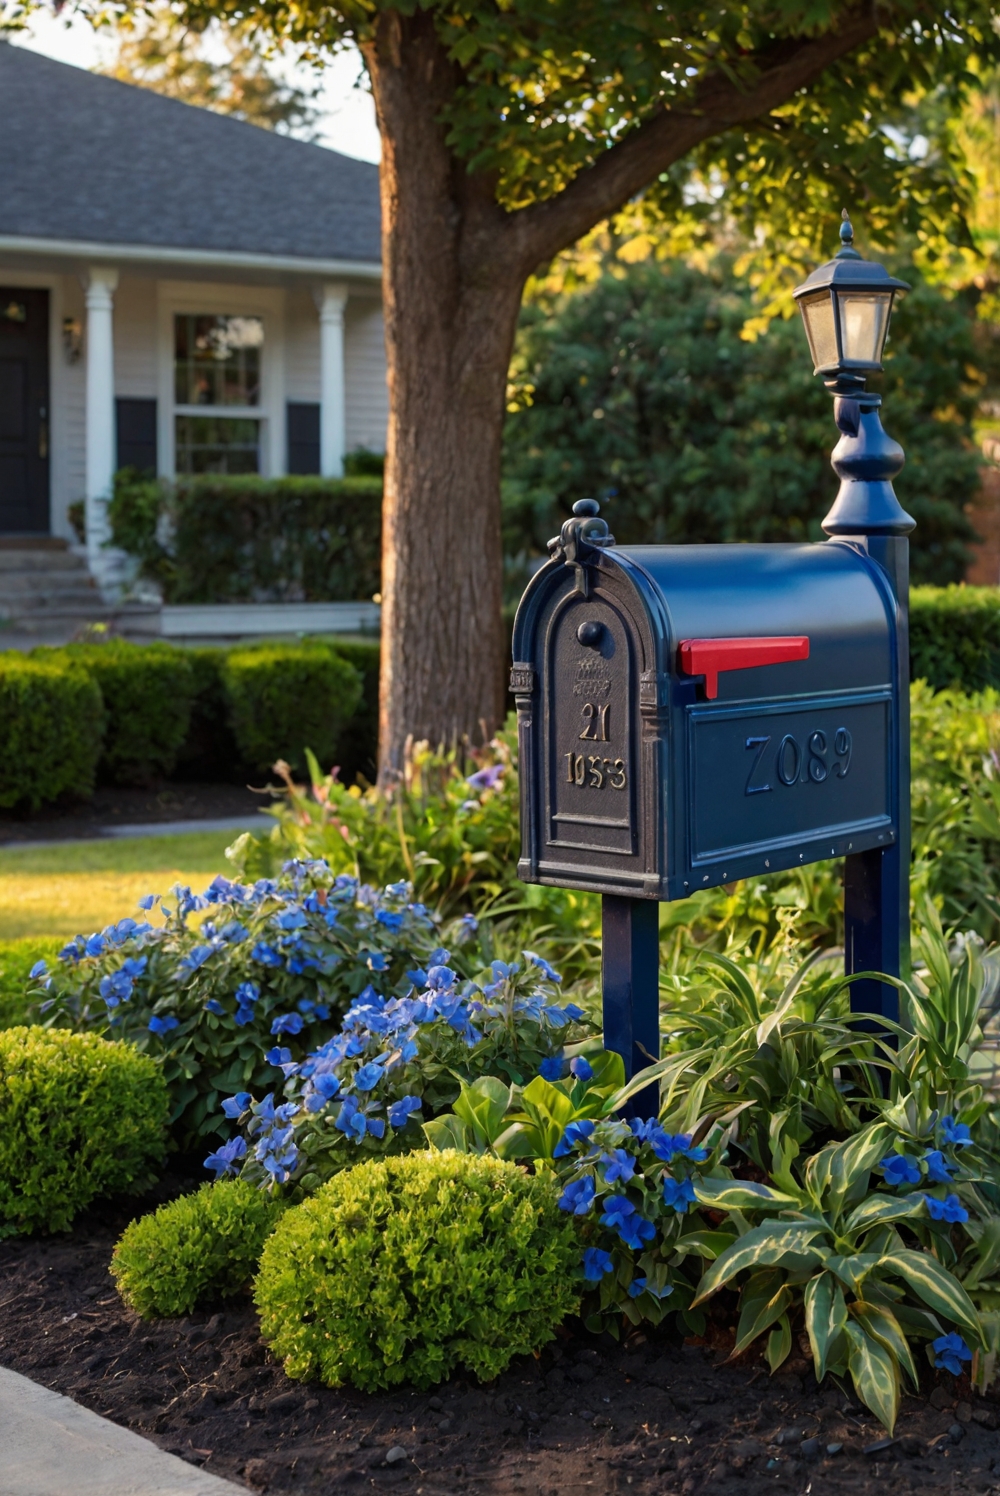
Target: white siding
<point>135,338</point>
<point>69,387</point>
<point>302,347</point>
<point>365,375</point>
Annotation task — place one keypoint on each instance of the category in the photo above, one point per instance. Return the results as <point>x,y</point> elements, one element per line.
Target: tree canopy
<point>641,391</point>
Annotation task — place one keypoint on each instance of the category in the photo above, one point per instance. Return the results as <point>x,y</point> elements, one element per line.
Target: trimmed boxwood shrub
<point>209,750</point>
<point>80,1117</point>
<point>404,1268</point>
<point>358,747</point>
<point>51,720</point>
<point>147,691</point>
<point>17,957</point>
<point>284,698</point>
<point>195,1251</point>
<point>955,637</point>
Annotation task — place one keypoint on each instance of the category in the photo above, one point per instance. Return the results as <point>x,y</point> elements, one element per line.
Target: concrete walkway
<point>50,1446</point>
<point>252,822</point>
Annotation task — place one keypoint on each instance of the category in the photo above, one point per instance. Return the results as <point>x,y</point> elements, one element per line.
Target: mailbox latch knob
<point>708,657</point>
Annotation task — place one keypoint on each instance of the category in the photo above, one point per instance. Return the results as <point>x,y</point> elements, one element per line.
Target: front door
<point>24,412</point>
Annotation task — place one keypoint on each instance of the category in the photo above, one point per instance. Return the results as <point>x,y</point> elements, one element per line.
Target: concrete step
<point>40,560</point>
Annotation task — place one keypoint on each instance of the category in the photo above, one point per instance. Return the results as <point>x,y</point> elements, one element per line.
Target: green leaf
<point>779,1343</point>
<point>883,1326</point>
<point>739,1194</point>
<point>766,1244</point>
<point>760,1308</point>
<point>447,1132</point>
<point>874,1373</point>
<point>703,1243</point>
<point>826,1316</point>
<point>483,1107</point>
<point>880,1208</point>
<point>853,1270</point>
<point>936,1286</point>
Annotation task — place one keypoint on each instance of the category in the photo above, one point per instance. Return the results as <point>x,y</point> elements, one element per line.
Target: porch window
<point>217,379</point>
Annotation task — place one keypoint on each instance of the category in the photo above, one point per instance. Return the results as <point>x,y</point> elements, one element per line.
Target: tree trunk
<point>451,308</point>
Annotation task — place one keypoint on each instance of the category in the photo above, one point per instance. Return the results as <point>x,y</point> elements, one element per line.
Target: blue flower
<point>486,779</point>
<point>417,976</point>
<point>468,925</point>
<point>576,1133</point>
<point>291,919</point>
<point>287,1023</point>
<point>265,954</point>
<point>148,900</point>
<point>235,1106</point>
<point>440,978</point>
<point>243,1016</point>
<point>163,1025</point>
<point>402,1110</point>
<point>955,1133</point>
<point>392,919</point>
<point>682,1145</point>
<point>949,1353</point>
<point>642,1285</point>
<point>224,1160</point>
<point>939,1168</point>
<point>116,988</point>
<point>678,1194</point>
<point>247,992</point>
<point>581,1068</point>
<point>543,965</point>
<point>898,1169</point>
<point>354,1122</point>
<point>578,1197</point>
<point>94,945</point>
<point>195,958</point>
<point>949,1209</point>
<point>40,969</point>
<point>368,1077</point>
<point>617,1166</point>
<point>553,1068</point>
<point>375,960</point>
<point>278,1056</point>
<point>595,1264</point>
<point>134,966</point>
<point>214,1006</point>
<point>573,1012</point>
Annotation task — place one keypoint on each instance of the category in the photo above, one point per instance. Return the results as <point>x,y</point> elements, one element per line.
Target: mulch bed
<point>651,1415</point>
<point>114,805</point>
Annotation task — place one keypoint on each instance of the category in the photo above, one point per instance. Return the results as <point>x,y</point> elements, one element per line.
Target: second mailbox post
<point>691,715</point>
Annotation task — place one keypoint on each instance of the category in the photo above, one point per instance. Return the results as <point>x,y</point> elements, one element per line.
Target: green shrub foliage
<point>209,750</point>
<point>147,691</point>
<point>244,538</point>
<point>17,958</point>
<point>358,747</point>
<point>51,720</point>
<point>195,1251</point>
<point>285,698</point>
<point>79,1118</point>
<point>955,637</point>
<point>640,391</point>
<point>405,1268</point>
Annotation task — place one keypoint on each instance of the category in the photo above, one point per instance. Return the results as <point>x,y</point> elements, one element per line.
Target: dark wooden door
<point>24,411</point>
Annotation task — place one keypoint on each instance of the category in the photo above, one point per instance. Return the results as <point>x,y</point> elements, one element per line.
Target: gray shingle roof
<point>89,158</point>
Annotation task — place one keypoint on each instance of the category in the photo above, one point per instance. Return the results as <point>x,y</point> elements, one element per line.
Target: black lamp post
<point>846,305</point>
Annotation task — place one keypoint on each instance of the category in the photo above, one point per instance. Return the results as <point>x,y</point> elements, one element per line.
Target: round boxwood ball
<point>403,1268</point>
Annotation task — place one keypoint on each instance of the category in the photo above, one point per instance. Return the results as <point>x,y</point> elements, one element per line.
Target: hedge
<point>51,726</point>
<point>239,538</point>
<point>284,698</point>
<point>955,637</point>
<point>147,690</point>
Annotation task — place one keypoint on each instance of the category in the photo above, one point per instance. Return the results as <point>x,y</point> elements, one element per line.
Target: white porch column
<point>331,300</point>
<point>100,418</point>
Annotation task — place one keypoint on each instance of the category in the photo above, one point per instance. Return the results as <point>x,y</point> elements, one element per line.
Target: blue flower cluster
<point>635,1180</point>
<point>900,1169</point>
<point>393,1060</point>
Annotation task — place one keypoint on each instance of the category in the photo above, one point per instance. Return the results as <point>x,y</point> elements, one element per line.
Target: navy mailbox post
<point>689,715</point>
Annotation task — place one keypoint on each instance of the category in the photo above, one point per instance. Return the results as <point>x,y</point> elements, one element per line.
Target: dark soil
<point>653,1415</point>
<point>112,806</point>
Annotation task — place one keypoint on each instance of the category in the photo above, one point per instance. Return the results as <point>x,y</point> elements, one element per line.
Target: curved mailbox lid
<point>829,592</point>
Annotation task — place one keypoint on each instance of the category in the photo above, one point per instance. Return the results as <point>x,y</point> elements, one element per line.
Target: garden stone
<point>444,1425</point>
<point>880,1446</point>
<point>285,1402</point>
<point>834,1448</point>
<point>963,1412</point>
<point>582,1373</point>
<point>810,1448</point>
<point>939,1399</point>
<point>396,1453</point>
<point>789,1436</point>
<point>986,1418</point>
<point>956,1433</point>
<point>435,1403</point>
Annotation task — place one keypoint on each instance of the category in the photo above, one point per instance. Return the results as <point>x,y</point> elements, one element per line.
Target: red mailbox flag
<point>708,656</point>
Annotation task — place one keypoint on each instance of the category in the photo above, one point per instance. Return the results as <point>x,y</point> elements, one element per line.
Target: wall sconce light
<point>72,336</point>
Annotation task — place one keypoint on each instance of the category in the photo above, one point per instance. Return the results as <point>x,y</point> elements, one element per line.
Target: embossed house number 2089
<point>591,769</point>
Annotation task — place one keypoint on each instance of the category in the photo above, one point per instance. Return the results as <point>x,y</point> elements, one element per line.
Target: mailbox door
<point>591,806</point>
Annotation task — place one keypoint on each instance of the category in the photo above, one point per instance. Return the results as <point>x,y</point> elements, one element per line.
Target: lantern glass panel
<point>817,314</point>
<point>864,322</point>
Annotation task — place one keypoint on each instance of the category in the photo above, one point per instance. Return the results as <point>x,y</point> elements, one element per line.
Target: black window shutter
<point>136,431</point>
<point>303,438</point>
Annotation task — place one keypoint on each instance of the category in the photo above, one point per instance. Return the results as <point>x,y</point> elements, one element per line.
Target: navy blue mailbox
<point>691,715</point>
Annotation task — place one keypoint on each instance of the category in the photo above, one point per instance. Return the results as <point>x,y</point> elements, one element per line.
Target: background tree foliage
<point>220,67</point>
<point>641,391</point>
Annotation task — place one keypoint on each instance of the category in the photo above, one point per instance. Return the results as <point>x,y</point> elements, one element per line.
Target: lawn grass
<point>78,888</point>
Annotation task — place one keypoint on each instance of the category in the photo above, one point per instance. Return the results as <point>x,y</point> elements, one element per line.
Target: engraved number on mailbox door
<point>796,763</point>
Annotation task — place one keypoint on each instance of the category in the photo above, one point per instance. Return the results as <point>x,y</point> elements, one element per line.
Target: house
<point>179,292</point>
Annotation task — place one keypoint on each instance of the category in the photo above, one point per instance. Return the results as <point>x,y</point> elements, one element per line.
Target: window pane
<point>217,360</point>
<point>817,314</point>
<point>864,321</point>
<point>217,444</point>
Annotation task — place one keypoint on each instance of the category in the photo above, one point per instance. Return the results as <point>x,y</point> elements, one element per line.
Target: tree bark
<point>451,309</point>
<point>454,265</point>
